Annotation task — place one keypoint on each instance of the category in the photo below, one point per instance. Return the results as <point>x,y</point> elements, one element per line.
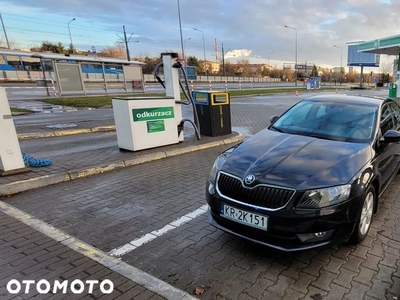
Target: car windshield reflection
<point>329,120</point>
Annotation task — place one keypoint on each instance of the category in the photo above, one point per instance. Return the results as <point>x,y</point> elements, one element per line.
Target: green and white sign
<point>155,126</point>
<point>153,113</point>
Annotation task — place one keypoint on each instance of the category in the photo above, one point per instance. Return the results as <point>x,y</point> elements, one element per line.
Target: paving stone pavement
<point>26,254</point>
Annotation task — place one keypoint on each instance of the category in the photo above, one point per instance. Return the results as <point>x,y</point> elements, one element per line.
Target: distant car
<point>313,177</point>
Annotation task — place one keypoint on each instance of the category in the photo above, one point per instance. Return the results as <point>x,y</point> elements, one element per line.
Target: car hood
<point>296,161</point>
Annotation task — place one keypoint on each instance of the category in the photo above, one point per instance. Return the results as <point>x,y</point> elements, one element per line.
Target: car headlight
<point>325,197</point>
<point>218,163</point>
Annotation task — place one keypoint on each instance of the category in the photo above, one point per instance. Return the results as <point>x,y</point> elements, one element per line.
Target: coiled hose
<point>33,162</point>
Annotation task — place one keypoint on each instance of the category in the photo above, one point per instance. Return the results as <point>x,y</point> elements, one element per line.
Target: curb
<point>41,181</point>
<point>58,133</point>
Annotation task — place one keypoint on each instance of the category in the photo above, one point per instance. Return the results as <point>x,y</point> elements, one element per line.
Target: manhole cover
<point>61,126</point>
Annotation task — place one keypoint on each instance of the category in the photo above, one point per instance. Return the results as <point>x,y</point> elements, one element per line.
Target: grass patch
<point>15,111</point>
<point>105,101</point>
<point>91,101</point>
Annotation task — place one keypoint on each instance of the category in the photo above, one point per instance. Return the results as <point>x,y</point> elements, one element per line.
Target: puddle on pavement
<point>53,109</point>
<point>62,126</point>
<point>245,131</point>
<point>45,108</point>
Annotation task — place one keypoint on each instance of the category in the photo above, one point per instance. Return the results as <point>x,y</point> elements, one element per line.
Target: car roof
<point>353,99</point>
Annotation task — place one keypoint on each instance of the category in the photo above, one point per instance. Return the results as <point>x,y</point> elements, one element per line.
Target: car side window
<point>387,122</point>
<point>396,114</point>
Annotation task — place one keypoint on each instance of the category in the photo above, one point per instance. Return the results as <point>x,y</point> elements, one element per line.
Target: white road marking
<point>120,251</point>
<point>146,280</point>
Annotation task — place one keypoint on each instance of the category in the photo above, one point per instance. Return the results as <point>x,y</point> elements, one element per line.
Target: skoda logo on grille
<point>249,179</point>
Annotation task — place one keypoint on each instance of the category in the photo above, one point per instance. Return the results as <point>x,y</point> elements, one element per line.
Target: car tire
<point>365,216</point>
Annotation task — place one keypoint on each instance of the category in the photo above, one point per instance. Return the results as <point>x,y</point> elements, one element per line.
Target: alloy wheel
<point>366,213</point>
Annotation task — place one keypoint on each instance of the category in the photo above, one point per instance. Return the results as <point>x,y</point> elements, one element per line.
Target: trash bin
<point>214,112</point>
<point>392,90</point>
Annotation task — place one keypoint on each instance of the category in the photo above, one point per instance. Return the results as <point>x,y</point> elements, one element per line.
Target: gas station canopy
<point>389,45</point>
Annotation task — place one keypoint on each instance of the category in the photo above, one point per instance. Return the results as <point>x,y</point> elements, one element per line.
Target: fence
<point>214,78</point>
<point>93,77</point>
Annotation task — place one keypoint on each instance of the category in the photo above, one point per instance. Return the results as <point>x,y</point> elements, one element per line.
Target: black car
<point>313,177</point>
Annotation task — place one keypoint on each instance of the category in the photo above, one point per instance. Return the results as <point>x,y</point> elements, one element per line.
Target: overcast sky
<point>248,29</point>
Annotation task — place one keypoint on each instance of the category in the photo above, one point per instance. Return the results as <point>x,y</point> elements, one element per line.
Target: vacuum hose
<point>186,93</point>
<point>33,162</point>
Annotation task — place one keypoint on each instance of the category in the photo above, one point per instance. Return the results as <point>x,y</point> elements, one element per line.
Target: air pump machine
<point>148,122</point>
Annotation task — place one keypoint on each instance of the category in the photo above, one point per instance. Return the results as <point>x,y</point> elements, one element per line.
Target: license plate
<point>244,217</point>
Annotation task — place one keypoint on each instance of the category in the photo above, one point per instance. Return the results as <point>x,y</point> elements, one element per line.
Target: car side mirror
<point>273,119</point>
<point>391,136</point>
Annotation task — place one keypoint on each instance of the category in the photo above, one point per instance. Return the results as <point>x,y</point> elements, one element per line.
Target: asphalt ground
<point>149,218</point>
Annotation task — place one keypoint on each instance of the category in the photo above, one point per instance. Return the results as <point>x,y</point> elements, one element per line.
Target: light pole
<point>5,32</point>
<point>269,55</point>
<point>184,48</point>
<point>295,63</point>
<point>70,36</point>
<point>180,29</point>
<point>204,51</point>
<point>223,59</point>
<point>340,79</point>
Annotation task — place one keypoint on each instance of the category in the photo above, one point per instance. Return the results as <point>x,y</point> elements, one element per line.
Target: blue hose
<point>33,162</point>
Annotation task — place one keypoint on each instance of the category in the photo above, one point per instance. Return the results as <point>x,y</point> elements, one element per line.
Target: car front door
<point>388,157</point>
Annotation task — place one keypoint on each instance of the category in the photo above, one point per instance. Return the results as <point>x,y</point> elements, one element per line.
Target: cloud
<point>238,53</point>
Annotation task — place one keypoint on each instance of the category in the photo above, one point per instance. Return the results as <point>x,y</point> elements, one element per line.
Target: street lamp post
<point>204,51</point>
<point>223,59</point>
<point>295,63</point>
<point>340,79</point>
<point>70,36</point>
<point>184,48</point>
<point>180,29</point>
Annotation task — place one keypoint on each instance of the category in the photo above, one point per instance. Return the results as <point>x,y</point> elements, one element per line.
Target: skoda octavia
<point>313,177</point>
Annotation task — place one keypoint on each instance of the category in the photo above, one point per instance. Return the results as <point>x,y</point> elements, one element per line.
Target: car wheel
<point>365,215</point>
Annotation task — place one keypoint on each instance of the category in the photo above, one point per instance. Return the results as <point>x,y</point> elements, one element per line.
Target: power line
<point>106,38</point>
<point>53,23</point>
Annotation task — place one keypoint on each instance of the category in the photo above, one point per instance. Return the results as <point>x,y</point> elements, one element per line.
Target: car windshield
<point>334,120</point>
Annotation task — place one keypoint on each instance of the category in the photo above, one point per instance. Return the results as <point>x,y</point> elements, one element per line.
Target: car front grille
<point>261,195</point>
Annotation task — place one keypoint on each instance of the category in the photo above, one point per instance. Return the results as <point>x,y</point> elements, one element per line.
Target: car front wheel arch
<point>366,212</point>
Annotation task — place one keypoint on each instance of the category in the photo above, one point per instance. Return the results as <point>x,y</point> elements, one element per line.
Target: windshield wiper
<point>321,137</point>
<point>277,129</point>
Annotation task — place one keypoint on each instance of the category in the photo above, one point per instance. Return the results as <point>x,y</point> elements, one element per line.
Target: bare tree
<point>141,56</point>
<point>243,67</point>
<point>49,46</point>
<point>13,43</point>
<point>386,67</point>
<point>150,63</point>
<point>117,51</point>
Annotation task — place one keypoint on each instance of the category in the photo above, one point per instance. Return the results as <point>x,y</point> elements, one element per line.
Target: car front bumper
<point>289,229</point>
